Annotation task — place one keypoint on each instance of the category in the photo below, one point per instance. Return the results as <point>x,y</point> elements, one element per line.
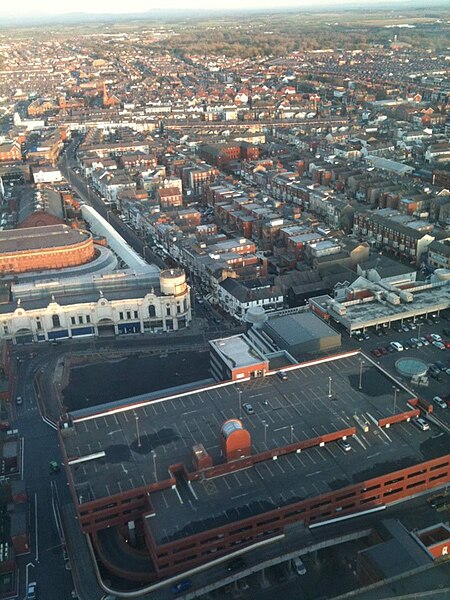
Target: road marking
<point>36,527</point>
<point>311,474</point>
<point>22,443</point>
<point>359,441</point>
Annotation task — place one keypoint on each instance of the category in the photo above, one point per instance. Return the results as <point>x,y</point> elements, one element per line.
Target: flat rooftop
<point>39,238</point>
<point>285,411</point>
<point>427,299</point>
<point>236,352</point>
<point>298,328</point>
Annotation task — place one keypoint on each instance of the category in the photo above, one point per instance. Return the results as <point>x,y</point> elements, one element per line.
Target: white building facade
<point>115,312</point>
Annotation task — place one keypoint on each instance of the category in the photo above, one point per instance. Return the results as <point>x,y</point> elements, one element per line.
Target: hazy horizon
<point>27,8</point>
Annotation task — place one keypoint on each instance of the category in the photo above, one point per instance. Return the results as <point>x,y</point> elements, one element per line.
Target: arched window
<point>56,321</point>
<point>151,311</point>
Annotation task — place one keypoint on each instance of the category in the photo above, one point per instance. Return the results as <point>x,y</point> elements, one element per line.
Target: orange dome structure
<point>236,441</point>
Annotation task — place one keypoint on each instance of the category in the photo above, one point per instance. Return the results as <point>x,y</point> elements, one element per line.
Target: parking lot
<point>140,444</point>
<point>438,385</point>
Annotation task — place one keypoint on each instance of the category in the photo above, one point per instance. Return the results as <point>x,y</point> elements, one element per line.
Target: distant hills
<point>172,15</point>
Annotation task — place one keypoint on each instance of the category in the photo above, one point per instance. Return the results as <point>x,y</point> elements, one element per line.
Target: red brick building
<point>47,247</point>
<point>10,151</point>
<point>170,197</point>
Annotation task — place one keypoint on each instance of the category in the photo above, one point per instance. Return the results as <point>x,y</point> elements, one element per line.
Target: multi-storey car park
<point>207,472</point>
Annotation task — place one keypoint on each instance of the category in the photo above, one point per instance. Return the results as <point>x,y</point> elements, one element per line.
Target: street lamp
<point>361,363</point>
<point>266,425</point>
<point>329,387</point>
<point>396,390</point>
<point>240,403</point>
<point>292,434</point>
<point>154,465</point>
<point>138,435</point>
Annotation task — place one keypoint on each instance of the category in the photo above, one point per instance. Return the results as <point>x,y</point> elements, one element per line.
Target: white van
<point>397,346</point>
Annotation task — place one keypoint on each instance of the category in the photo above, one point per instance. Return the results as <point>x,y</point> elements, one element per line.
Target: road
<point>45,562</point>
<point>88,195</point>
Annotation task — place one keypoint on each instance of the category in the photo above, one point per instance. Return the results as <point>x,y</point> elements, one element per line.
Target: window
<point>178,309</point>
<point>5,329</point>
<point>88,318</point>
<point>39,325</point>
<point>151,311</point>
<point>80,319</point>
<point>128,314</point>
<point>136,314</point>
<point>72,320</point>
<point>55,320</point>
<point>121,316</point>
<point>168,311</point>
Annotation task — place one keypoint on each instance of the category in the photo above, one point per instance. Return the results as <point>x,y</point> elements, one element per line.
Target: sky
<point>55,7</point>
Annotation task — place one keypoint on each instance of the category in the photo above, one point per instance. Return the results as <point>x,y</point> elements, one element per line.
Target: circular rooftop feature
<point>411,367</point>
<point>230,427</point>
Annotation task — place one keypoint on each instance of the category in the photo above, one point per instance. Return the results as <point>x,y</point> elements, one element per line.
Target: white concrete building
<point>114,304</point>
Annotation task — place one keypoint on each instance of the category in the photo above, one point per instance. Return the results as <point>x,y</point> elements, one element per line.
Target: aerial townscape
<point>225,302</point>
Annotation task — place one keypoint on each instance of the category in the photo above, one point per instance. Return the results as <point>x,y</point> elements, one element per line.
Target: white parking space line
<point>269,469</point>
<point>308,454</point>
<point>278,464</point>
<point>405,429</point>
<point>288,460</point>
<point>328,447</point>
<point>318,490</point>
<point>355,437</point>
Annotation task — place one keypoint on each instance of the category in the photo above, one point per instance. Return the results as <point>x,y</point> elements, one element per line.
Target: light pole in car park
<point>266,425</point>
<point>395,390</point>
<point>329,387</point>
<point>361,364</point>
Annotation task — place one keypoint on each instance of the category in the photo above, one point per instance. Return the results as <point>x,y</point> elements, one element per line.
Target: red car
<point>383,351</point>
<point>376,352</point>
<point>446,343</point>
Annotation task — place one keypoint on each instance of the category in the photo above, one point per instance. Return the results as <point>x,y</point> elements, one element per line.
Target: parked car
<point>440,402</point>
<point>376,352</point>
<point>396,346</point>
<point>383,351</point>
<point>421,424</point>
<point>282,375</point>
<point>436,337</point>
<point>434,371</point>
<point>248,408</point>
<point>440,365</point>
<point>439,345</point>
<point>412,326</point>
<point>417,342</point>
<point>19,400</point>
<point>344,445</point>
<point>424,341</point>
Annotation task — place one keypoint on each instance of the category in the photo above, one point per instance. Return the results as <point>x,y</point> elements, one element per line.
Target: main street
<point>90,196</point>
